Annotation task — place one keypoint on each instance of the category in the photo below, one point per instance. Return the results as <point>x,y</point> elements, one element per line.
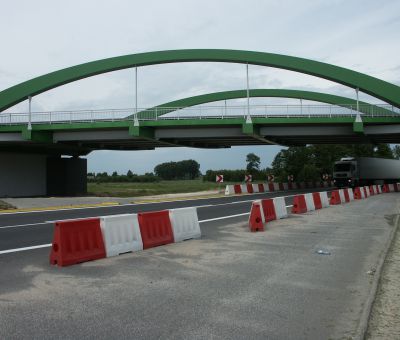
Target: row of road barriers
<point>81,240</point>
<point>250,188</point>
<point>266,210</point>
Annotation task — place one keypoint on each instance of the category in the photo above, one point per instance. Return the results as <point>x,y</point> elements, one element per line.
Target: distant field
<point>147,189</point>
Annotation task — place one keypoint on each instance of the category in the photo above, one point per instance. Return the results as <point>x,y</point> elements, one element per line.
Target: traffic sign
<point>290,178</point>
<point>271,178</point>
<point>325,177</point>
<point>248,178</point>
<point>219,178</point>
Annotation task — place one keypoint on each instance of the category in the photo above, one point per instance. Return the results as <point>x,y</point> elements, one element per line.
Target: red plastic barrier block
<point>371,190</point>
<point>365,192</point>
<point>317,200</point>
<point>385,188</point>
<point>335,198</point>
<point>299,205</point>
<point>271,186</point>
<point>155,228</point>
<point>268,209</point>
<point>261,187</point>
<point>290,185</point>
<point>281,187</point>
<point>346,195</point>
<point>77,241</point>
<point>357,193</point>
<point>249,188</point>
<point>237,188</point>
<point>255,220</point>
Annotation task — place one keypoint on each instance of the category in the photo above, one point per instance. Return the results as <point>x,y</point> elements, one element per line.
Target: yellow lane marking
<point>174,199</point>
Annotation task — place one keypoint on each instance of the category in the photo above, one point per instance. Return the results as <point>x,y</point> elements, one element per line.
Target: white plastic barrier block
<point>276,186</point>
<point>266,187</point>
<point>341,195</point>
<point>367,190</point>
<point>324,199</point>
<point>380,189</point>
<point>229,190</point>
<point>185,224</point>
<point>285,186</point>
<point>280,207</point>
<point>255,188</point>
<point>391,187</point>
<point>351,194</point>
<point>309,201</point>
<point>121,234</point>
<point>244,188</point>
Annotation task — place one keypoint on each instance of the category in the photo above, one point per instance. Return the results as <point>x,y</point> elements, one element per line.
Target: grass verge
<point>147,189</point>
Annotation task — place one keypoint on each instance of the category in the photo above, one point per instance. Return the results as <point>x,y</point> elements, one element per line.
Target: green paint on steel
<point>373,86</point>
<point>276,93</point>
<point>260,121</point>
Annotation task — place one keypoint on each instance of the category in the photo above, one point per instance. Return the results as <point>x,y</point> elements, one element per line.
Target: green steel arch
<point>375,87</point>
<point>276,93</point>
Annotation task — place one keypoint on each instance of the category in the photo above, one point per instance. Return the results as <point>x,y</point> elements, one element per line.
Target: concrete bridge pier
<point>25,175</point>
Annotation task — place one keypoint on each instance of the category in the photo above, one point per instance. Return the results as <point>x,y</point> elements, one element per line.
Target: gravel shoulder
<point>385,315</point>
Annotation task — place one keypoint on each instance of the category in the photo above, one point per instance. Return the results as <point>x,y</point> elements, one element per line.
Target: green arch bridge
<point>193,121</point>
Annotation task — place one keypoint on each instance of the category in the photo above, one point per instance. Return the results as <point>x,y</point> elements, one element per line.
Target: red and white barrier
<point>263,211</point>
<point>113,235</point>
<point>309,201</point>
<point>232,189</point>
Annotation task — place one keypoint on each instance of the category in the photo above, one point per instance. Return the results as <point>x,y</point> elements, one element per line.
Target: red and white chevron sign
<point>325,177</point>
<point>290,178</point>
<point>271,178</point>
<point>219,178</point>
<point>248,178</point>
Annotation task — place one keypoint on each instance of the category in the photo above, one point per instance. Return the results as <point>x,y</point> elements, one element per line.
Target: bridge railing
<point>199,112</point>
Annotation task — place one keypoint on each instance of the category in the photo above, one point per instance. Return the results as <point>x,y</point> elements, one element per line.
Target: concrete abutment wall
<point>25,175</point>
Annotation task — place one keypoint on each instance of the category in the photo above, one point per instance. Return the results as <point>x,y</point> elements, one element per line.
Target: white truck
<point>352,172</point>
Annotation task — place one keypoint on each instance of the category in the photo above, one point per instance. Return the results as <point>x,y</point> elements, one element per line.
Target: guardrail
<point>200,112</point>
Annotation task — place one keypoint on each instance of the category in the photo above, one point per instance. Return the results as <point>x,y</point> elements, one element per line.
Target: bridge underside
<point>82,138</point>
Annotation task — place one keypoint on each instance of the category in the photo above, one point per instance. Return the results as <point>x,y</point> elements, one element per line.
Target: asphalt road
<point>30,229</point>
<point>230,284</point>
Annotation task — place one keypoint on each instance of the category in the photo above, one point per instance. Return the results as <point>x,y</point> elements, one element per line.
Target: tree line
<point>305,163</point>
<point>187,169</point>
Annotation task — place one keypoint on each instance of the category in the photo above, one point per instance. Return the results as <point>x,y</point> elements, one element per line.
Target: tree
<point>253,162</point>
<point>187,169</point>
<point>383,151</point>
<point>129,174</point>
<point>396,151</point>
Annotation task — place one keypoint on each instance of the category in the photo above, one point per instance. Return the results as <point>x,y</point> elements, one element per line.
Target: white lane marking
<point>8,251</point>
<point>223,217</point>
<point>24,249</point>
<point>23,225</point>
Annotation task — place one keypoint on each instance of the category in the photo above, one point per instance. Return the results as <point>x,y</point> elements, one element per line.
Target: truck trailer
<point>352,172</point>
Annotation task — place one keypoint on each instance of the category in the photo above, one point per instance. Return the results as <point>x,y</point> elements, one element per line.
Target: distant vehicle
<point>352,172</point>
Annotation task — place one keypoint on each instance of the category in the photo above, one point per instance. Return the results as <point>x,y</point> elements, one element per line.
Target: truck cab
<point>345,172</point>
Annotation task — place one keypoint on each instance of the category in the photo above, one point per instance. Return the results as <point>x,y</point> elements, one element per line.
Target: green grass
<point>146,189</point>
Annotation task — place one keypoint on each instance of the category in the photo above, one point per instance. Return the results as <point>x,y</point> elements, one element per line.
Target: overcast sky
<point>38,37</point>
